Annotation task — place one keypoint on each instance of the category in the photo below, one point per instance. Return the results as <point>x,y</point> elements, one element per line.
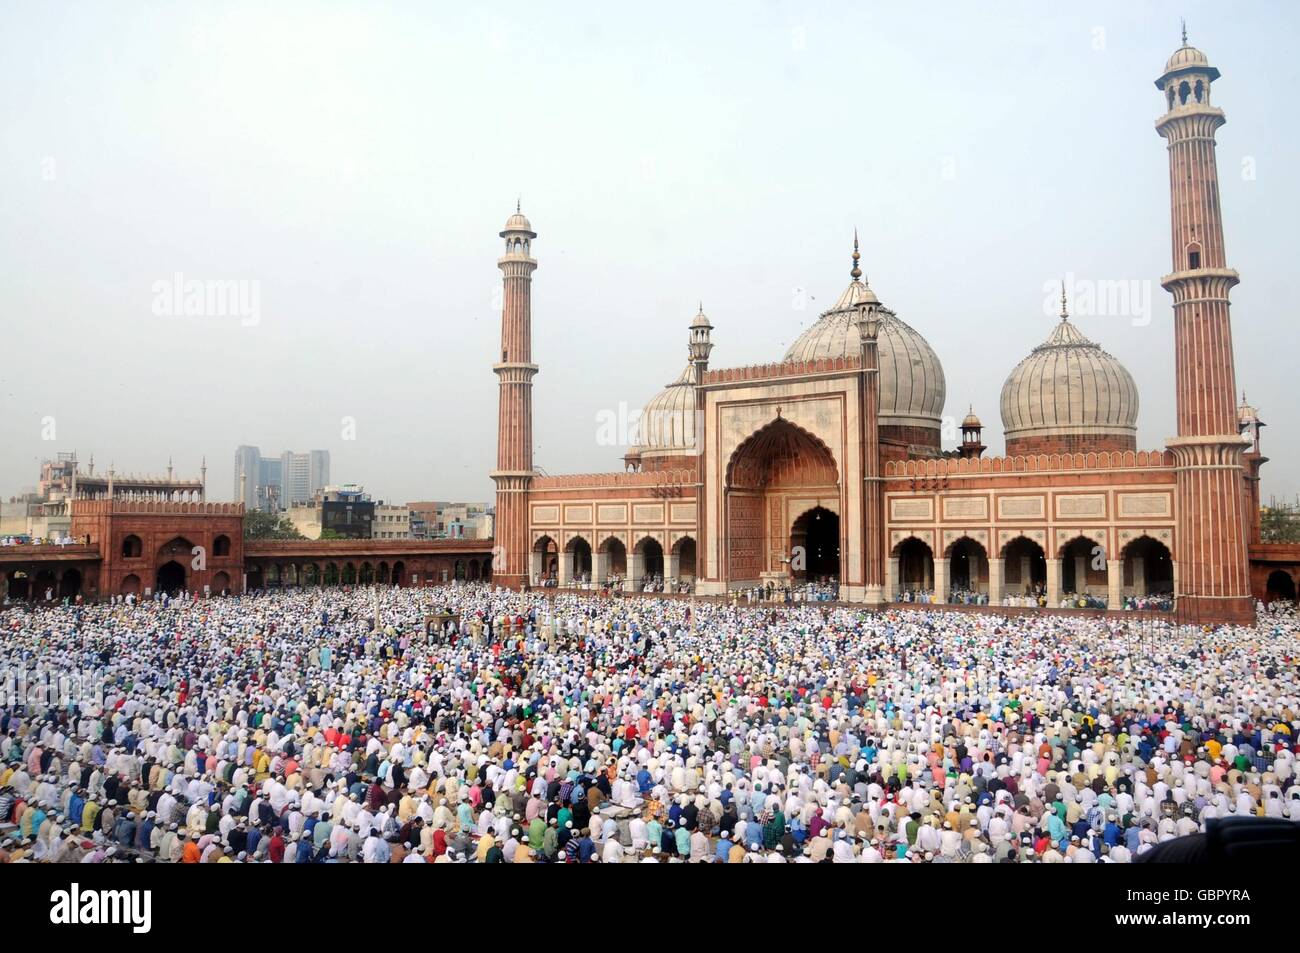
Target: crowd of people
<point>616,582</point>
<point>60,540</point>
<point>467,724</point>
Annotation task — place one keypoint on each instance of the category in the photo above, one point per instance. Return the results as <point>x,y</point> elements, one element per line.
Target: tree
<point>1279,523</point>
<point>258,524</point>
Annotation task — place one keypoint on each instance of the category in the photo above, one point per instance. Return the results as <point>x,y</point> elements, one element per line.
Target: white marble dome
<point>1184,57</point>
<point>912,386</point>
<point>1069,386</point>
<point>668,420</point>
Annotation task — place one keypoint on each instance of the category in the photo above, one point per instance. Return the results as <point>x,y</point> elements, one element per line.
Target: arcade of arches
<point>1079,568</point>
<point>611,562</point>
<point>771,478</point>
<point>275,574</point>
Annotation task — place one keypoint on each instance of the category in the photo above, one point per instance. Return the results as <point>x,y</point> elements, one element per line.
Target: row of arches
<point>36,584</point>
<point>133,547</point>
<point>364,573</point>
<point>172,578</point>
<point>579,562</point>
<point>1145,570</point>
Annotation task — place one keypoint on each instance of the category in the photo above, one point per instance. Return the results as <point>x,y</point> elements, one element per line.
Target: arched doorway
<point>487,569</point>
<point>652,560</point>
<point>459,571</point>
<point>70,584</point>
<point>1280,586</point>
<point>615,558</point>
<point>349,576</point>
<point>968,569</point>
<point>311,575</point>
<point>546,563</point>
<point>399,573</point>
<point>130,585</point>
<point>815,545</point>
<point>367,574</point>
<point>776,464</point>
<point>132,548</point>
<point>1083,568</point>
<point>684,549</point>
<point>578,559</point>
<point>915,568</point>
<point>171,578</point>
<point>220,583</point>
<point>47,586</point>
<point>331,574</point>
<point>1025,571</point>
<point>1148,568</point>
<point>20,585</point>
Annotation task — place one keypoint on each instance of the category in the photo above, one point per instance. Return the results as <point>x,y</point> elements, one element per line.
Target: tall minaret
<point>514,471</point>
<point>873,506</point>
<point>1212,579</point>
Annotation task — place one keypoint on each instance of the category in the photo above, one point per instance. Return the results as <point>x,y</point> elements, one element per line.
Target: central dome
<point>912,387</point>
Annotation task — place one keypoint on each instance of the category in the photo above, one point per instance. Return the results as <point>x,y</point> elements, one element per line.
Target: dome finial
<point>1064,313</point>
<point>856,273</point>
<point>519,201</point>
<point>1183,20</point>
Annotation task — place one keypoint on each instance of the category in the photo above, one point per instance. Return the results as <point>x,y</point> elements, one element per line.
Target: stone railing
<point>1103,460</point>
<point>761,372</point>
<point>652,478</point>
<point>160,507</point>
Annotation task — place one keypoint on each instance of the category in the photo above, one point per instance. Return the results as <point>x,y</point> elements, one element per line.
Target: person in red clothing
<point>276,847</point>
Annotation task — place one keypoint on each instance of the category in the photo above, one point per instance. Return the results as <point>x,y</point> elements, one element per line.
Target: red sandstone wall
<point>1069,443</point>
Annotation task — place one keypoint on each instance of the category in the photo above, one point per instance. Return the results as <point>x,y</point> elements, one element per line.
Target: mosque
<point>828,464</point>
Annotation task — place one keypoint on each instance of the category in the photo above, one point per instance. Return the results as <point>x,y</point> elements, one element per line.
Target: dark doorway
<point>1281,586</point>
<point>816,536</point>
<point>171,578</point>
<point>70,585</point>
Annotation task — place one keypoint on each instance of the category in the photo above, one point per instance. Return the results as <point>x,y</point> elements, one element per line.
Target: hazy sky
<point>353,163</point>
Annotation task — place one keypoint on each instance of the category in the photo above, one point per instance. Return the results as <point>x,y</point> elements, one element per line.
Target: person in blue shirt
<point>723,850</point>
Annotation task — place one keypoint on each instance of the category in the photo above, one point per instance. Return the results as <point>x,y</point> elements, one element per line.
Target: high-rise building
<point>248,461</point>
<point>275,483</point>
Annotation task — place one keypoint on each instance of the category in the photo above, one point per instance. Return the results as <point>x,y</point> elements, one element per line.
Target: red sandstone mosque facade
<point>829,462</point>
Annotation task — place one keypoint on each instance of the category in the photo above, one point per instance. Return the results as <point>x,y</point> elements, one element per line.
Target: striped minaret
<point>1212,580</point>
<point>514,470</point>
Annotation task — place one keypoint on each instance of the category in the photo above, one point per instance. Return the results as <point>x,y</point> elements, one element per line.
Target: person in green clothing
<point>683,838</point>
<point>536,833</point>
<point>774,829</point>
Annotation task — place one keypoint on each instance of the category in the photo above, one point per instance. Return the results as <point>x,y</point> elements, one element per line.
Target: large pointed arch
<point>766,471</point>
<point>781,453</point>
